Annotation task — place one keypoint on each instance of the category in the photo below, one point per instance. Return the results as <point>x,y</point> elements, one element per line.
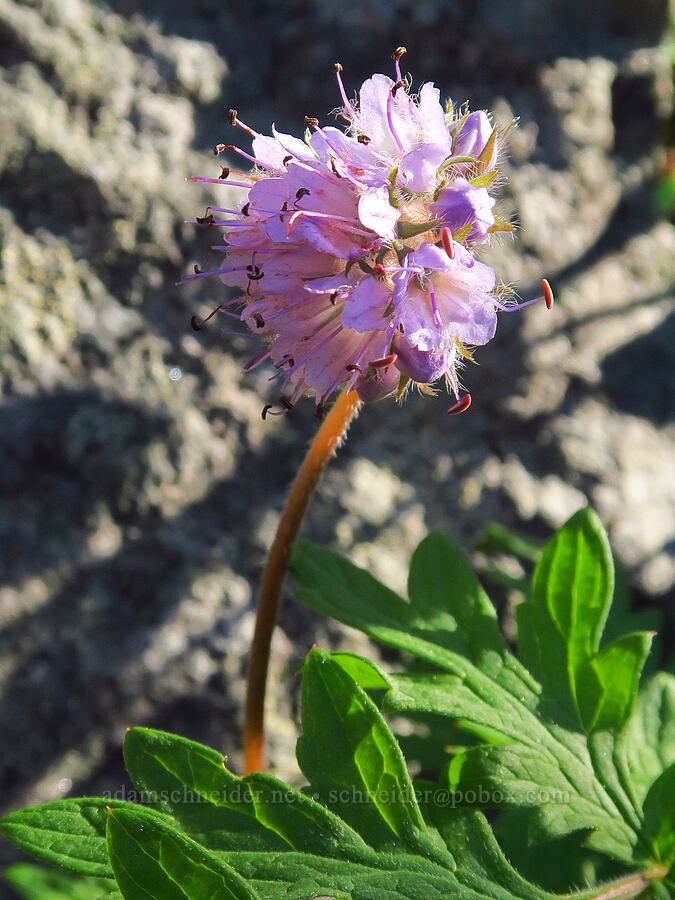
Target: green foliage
<point>66,833</point>
<point>151,860</point>
<point>558,747</point>
<point>650,739</point>
<point>36,883</point>
<point>579,767</point>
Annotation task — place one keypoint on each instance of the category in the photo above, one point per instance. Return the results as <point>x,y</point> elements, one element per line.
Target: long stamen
<point>547,297</point>
<point>241,152</point>
<point>345,173</point>
<point>548,293</point>
<point>460,406</point>
<point>197,325</point>
<point>202,180</point>
<point>390,121</point>
<point>224,271</point>
<point>344,221</point>
<point>350,109</point>
<point>283,312</point>
<point>319,346</point>
<point>316,172</point>
<point>450,375</point>
<point>226,171</point>
<point>267,411</point>
<point>396,56</point>
<point>257,359</point>
<point>228,223</point>
<point>224,209</point>
<point>357,370</point>
<point>233,119</point>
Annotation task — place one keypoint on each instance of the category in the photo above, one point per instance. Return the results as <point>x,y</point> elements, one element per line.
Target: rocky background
<point>136,506</point>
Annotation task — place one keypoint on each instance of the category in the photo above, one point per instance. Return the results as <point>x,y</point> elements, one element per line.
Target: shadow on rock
<point>639,378</point>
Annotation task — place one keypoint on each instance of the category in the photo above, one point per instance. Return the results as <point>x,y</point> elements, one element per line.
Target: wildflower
<point>355,250</point>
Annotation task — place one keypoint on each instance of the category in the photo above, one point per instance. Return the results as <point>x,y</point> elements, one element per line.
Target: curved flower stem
<point>326,441</point>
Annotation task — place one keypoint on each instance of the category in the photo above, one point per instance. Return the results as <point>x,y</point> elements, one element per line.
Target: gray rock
<point>139,485</point>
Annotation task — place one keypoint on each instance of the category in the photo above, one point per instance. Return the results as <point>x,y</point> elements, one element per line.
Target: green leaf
<point>292,819</point>
<point>364,672</point>
<point>650,736</point>
<point>481,865</point>
<point>37,883</point>
<point>449,603</point>
<point>659,817</point>
<point>607,684</point>
<point>555,865</point>
<point>216,825</point>
<point>560,625</point>
<point>66,833</point>
<point>350,757</point>
<point>153,861</point>
<point>566,798</point>
<point>335,587</point>
<point>534,751</point>
<point>300,876</point>
<point>495,538</point>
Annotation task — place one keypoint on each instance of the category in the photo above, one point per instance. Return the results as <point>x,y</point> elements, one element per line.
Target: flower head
<point>355,249</point>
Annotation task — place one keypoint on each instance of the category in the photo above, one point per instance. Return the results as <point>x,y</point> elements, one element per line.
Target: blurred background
<point>139,486</point>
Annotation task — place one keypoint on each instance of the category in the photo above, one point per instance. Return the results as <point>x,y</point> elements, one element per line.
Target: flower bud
<point>460,204</point>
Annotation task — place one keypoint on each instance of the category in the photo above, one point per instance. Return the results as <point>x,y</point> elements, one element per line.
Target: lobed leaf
<point>650,735</point>
<point>554,749</point>
<point>333,586</point>
<point>607,684</point>
<point>352,760</point>
<point>659,818</point>
<point>66,833</point>
<point>560,625</point>
<point>156,759</point>
<point>563,758</point>
<point>153,861</point>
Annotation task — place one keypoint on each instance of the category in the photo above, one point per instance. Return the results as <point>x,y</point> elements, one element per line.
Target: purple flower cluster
<point>354,251</point>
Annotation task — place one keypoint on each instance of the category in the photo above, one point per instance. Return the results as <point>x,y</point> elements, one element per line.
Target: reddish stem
<point>324,445</point>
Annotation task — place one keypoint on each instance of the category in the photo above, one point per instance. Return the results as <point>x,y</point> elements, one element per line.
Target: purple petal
<point>328,285</point>
<point>474,135</point>
<point>420,365</point>
<point>372,116</point>
<point>468,315</point>
<point>382,383</point>
<point>416,316</point>
<point>269,152</point>
<point>377,213</point>
<point>293,145</point>
<point>417,170</point>
<point>433,116</point>
<point>460,203</point>
<point>429,256</point>
<point>363,310</point>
